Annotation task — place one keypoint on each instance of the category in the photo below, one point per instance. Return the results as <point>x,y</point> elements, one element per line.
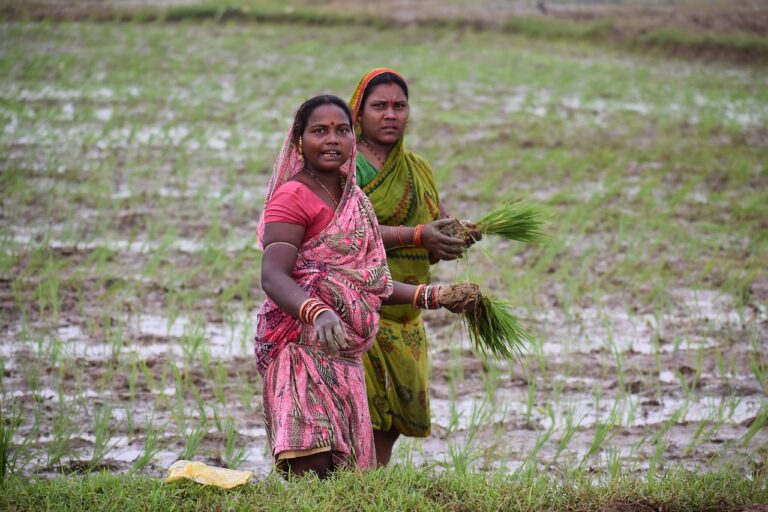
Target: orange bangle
<point>319,312</point>
<point>417,235</point>
<point>415,300</point>
<point>303,307</point>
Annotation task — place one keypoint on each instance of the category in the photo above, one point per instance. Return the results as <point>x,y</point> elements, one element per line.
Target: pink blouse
<point>294,203</point>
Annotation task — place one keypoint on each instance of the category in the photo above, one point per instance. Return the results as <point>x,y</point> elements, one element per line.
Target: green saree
<point>403,192</point>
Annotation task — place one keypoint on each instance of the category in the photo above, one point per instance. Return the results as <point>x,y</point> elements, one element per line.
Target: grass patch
<point>553,28</point>
<point>401,488</point>
<point>674,38</point>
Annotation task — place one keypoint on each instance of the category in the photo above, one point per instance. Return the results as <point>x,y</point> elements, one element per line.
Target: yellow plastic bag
<point>207,475</point>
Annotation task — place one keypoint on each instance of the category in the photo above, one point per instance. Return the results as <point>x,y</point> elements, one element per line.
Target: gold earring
<point>301,150</point>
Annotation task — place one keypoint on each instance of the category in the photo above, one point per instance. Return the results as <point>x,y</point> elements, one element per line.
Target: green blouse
<point>365,171</point>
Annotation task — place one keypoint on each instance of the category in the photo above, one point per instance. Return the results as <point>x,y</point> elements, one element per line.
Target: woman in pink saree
<point>325,273</point>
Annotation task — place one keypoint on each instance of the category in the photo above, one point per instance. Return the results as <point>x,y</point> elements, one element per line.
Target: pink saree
<point>313,401</point>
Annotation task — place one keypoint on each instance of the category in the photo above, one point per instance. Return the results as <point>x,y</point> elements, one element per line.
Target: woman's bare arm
<point>281,243</point>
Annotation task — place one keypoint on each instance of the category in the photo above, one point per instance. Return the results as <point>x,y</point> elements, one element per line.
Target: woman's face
<point>384,114</point>
<point>327,139</point>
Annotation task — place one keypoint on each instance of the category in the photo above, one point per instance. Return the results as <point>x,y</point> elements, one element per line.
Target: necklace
<point>373,151</point>
<point>314,176</point>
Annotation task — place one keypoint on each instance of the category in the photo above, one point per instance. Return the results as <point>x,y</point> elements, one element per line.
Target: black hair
<point>384,78</point>
<point>309,106</point>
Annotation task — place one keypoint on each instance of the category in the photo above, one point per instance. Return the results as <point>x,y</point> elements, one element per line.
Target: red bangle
<point>434,303</point>
<point>426,297</point>
<point>417,235</point>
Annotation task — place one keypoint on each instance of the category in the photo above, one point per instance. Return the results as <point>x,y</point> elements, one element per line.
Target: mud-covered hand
<point>472,233</point>
<point>460,297</point>
<point>440,245</point>
<point>330,334</point>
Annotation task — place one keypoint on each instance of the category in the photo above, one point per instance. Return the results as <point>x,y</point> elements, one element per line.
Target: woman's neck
<point>324,176</point>
<point>378,152</point>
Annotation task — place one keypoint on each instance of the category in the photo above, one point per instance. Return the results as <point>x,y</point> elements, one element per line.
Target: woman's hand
<point>330,334</point>
<point>439,245</point>
<point>460,297</point>
<point>472,233</point>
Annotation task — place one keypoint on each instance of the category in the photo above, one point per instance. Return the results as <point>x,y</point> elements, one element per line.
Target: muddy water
<point>587,373</point>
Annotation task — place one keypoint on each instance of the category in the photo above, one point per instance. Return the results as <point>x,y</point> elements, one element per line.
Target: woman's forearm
<point>402,294</point>
<point>397,236</point>
<point>284,291</point>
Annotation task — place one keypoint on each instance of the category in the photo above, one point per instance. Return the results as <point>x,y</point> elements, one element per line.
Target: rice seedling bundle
<point>491,327</point>
<point>520,220</point>
<point>494,330</point>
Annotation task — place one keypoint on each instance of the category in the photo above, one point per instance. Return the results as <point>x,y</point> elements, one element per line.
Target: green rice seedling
<point>192,342</point>
<point>233,456</point>
<point>162,397</point>
<point>596,393</point>
<point>602,434</point>
<point>454,416</point>
<point>659,447</point>
<point>102,434</point>
<point>693,442</point>
<point>614,462</point>
<point>47,291</point>
<point>200,403</point>
<point>491,379</point>
<point>246,391</point>
<point>217,418</point>
<point>220,381</point>
<point>8,454</point>
<point>721,368</point>
<point>179,414</point>
<point>130,428</point>
<point>116,340</point>
<point>463,454</point>
<point>50,348</point>
<point>530,399</point>
<point>732,402</point>
<point>759,370</point>
<point>494,330</point>
<point>531,460</point>
<point>64,430</point>
<point>405,449</point>
<point>757,424</point>
<point>133,376</point>
<point>149,377</point>
<point>570,429</point>
<point>632,411</point>
<point>193,440</point>
<point>152,446</point>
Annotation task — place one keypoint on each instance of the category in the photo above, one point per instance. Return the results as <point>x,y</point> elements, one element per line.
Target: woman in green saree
<point>402,189</point>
